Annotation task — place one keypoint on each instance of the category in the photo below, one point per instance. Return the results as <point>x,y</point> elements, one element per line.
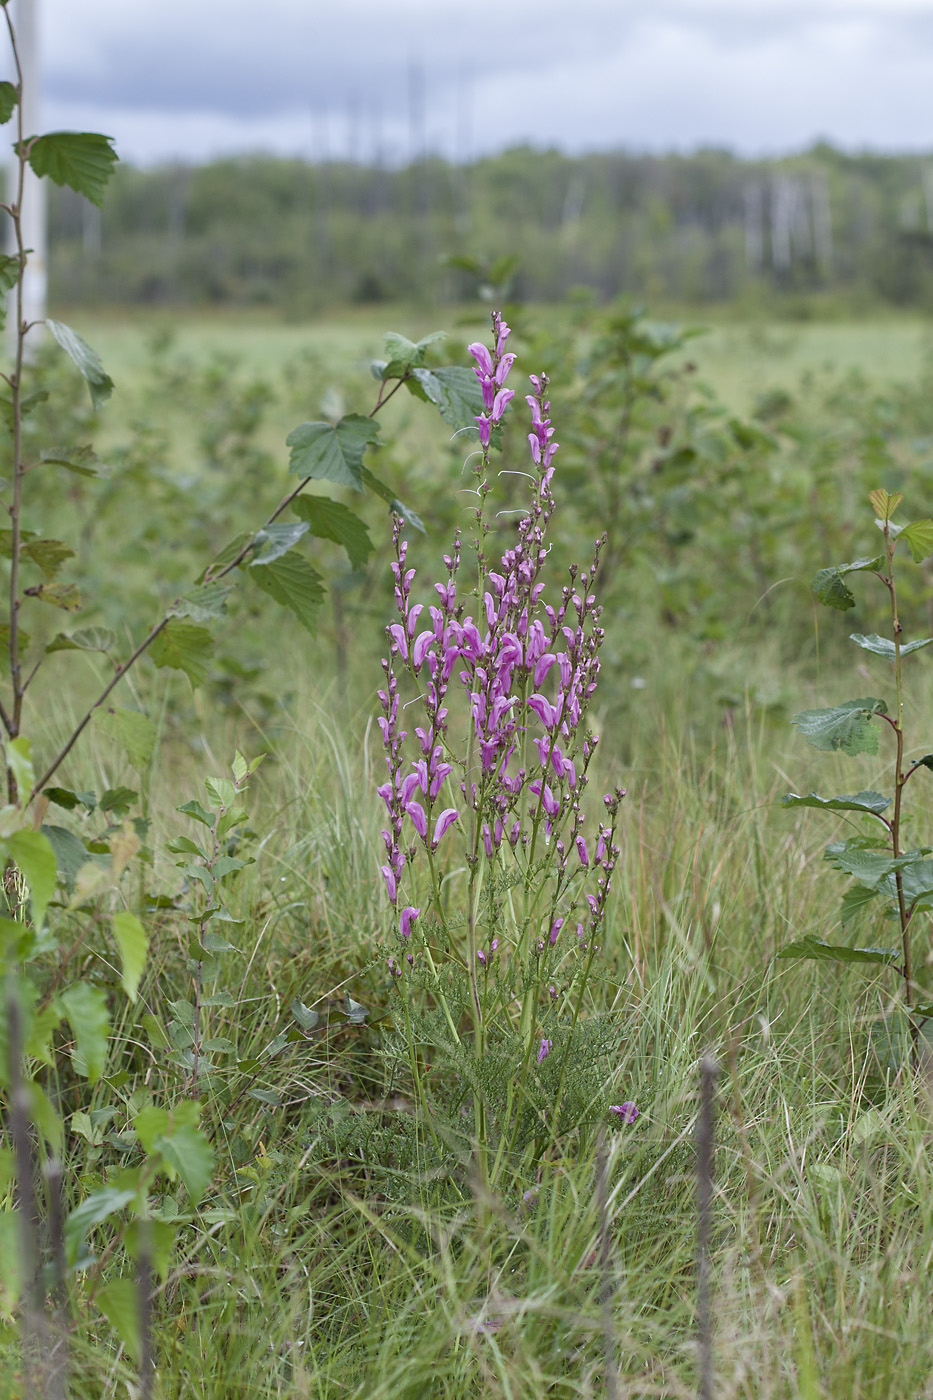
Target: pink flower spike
<point>501,403</point>
<point>627,1112</point>
<point>556,927</point>
<point>503,334</point>
<point>481,355</point>
<point>535,448</point>
<point>409,915</point>
<point>443,824</point>
<point>485,429</point>
<point>544,1049</point>
<point>419,820</point>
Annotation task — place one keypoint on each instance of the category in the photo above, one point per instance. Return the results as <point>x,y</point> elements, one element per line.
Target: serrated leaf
<point>50,555</point>
<point>379,488</point>
<point>870,868</point>
<point>292,582</point>
<point>869,801</point>
<point>61,595</point>
<point>133,943</point>
<point>277,539</point>
<point>830,588</point>
<point>184,646</point>
<point>202,604</point>
<point>118,799</point>
<point>323,451</point>
<point>87,360</point>
<point>119,1301</point>
<point>86,1012</point>
<point>304,1015</point>
<point>135,733</point>
<point>881,646</point>
<point>194,809</point>
<point>75,459</point>
<point>885,503</point>
<point>85,639</point>
<point>9,97</point>
<point>815,948</point>
<point>454,390</point>
<point>330,520</point>
<point>847,727</point>
<point>402,353</point>
<point>82,160</point>
<point>919,536</point>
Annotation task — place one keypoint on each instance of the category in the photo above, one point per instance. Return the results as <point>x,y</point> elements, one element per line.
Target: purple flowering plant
<point>498,887</point>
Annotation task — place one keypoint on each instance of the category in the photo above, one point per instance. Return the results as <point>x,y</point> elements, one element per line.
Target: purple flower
<point>418,818</point>
<point>443,824</point>
<point>627,1112</point>
<point>582,852</point>
<point>544,1049</point>
<point>481,956</point>
<point>409,915</point>
<point>482,357</point>
<point>556,927</point>
<point>388,874</point>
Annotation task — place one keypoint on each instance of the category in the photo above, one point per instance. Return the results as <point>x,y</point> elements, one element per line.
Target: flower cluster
<point>527,670</point>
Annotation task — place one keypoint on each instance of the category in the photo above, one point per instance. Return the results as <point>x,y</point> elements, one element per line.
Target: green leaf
<point>870,868</point>
<point>64,797</point>
<point>61,595</point>
<point>847,726</point>
<point>76,459</point>
<point>829,584</point>
<point>885,503</point>
<point>86,1010</point>
<point>815,948</point>
<point>213,943</point>
<point>304,1015</point>
<point>379,488</point>
<point>82,160</point>
<point>454,390</point>
<point>880,646</point>
<point>187,1151</point>
<point>9,97</point>
<point>292,582</point>
<point>94,1210</point>
<point>355,1012</point>
<point>19,761</point>
<point>325,452</point>
<point>329,520</point>
<point>50,555</point>
<point>9,271</point>
<point>184,646</point>
<point>133,942</point>
<point>118,799</point>
<point>194,809</point>
<point>919,536</point>
<point>854,903</point>
<point>207,601</point>
<point>34,855</point>
<point>70,853</point>
<point>119,1301</point>
<point>87,360</point>
<point>277,539</point>
<point>869,801</point>
<point>85,639</point>
<point>402,353</point>
<point>135,733</point>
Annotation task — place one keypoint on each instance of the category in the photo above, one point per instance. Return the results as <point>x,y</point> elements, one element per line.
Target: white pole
<point>33,218</point>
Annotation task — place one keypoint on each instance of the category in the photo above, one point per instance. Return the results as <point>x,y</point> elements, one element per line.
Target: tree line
<point>534,224</point>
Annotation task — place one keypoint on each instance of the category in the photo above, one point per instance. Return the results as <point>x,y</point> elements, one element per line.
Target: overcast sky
<point>371,79</point>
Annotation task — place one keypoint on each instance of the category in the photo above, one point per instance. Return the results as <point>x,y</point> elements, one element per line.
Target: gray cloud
<point>194,76</point>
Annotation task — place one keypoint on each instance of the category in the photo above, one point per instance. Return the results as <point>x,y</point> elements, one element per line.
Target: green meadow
<point>345,1243</point>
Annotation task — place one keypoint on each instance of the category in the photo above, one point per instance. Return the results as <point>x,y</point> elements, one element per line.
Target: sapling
<point>889,880</point>
<point>496,771</point>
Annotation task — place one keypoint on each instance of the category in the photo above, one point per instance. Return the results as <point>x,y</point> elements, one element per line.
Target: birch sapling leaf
<point>919,537</point>
<point>829,587</point>
<point>330,520</point>
<point>184,646</point>
<point>82,160</point>
<point>85,1008</point>
<point>9,97</point>
<point>847,726</point>
<point>133,730</point>
<point>87,360</point>
<point>881,646</point>
<point>274,540</point>
<point>293,583</point>
<point>379,488</point>
<point>885,503</point>
<point>325,451</point>
<point>818,950</point>
<point>868,801</point>
<point>133,943</point>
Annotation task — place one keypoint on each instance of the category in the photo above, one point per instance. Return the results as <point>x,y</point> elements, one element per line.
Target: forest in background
<point>700,229</point>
